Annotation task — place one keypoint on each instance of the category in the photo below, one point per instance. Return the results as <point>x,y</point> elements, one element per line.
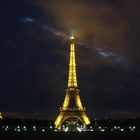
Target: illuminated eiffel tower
<point>72,107</point>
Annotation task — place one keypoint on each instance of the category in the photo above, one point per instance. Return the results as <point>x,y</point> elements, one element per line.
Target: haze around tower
<point>106,24</point>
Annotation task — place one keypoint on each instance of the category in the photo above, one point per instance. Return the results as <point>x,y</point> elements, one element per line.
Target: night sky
<point>34,56</point>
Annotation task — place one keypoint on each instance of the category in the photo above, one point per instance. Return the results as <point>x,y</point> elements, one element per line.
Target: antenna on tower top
<point>72,35</point>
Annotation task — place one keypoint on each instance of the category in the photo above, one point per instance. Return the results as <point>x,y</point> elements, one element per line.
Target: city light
<point>79,128</point>
<point>66,129</point>
<point>102,130</point>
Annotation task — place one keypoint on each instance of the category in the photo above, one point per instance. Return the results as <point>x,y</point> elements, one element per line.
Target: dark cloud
<point>112,25</point>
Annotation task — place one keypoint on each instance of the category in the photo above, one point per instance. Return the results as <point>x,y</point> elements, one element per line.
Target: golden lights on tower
<point>72,79</point>
<point>72,93</point>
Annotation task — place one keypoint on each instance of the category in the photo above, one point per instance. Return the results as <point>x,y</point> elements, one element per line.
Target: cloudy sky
<point>34,56</point>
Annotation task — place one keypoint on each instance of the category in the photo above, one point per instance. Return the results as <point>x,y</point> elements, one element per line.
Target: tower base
<point>71,116</point>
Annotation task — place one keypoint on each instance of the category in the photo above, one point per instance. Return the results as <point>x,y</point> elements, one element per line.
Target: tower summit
<point>72,110</point>
<point>72,79</point>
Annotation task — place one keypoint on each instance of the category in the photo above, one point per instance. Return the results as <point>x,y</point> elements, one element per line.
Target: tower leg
<point>59,119</point>
<point>85,118</point>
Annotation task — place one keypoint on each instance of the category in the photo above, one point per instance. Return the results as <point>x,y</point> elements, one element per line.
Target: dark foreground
<point>73,136</point>
<point>18,129</point>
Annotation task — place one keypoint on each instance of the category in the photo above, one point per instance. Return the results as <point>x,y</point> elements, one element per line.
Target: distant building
<point>0,115</point>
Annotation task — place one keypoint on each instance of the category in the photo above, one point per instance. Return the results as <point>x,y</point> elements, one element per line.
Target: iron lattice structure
<point>72,106</point>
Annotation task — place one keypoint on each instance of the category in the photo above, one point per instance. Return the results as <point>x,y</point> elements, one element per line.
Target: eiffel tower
<point>72,107</point>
